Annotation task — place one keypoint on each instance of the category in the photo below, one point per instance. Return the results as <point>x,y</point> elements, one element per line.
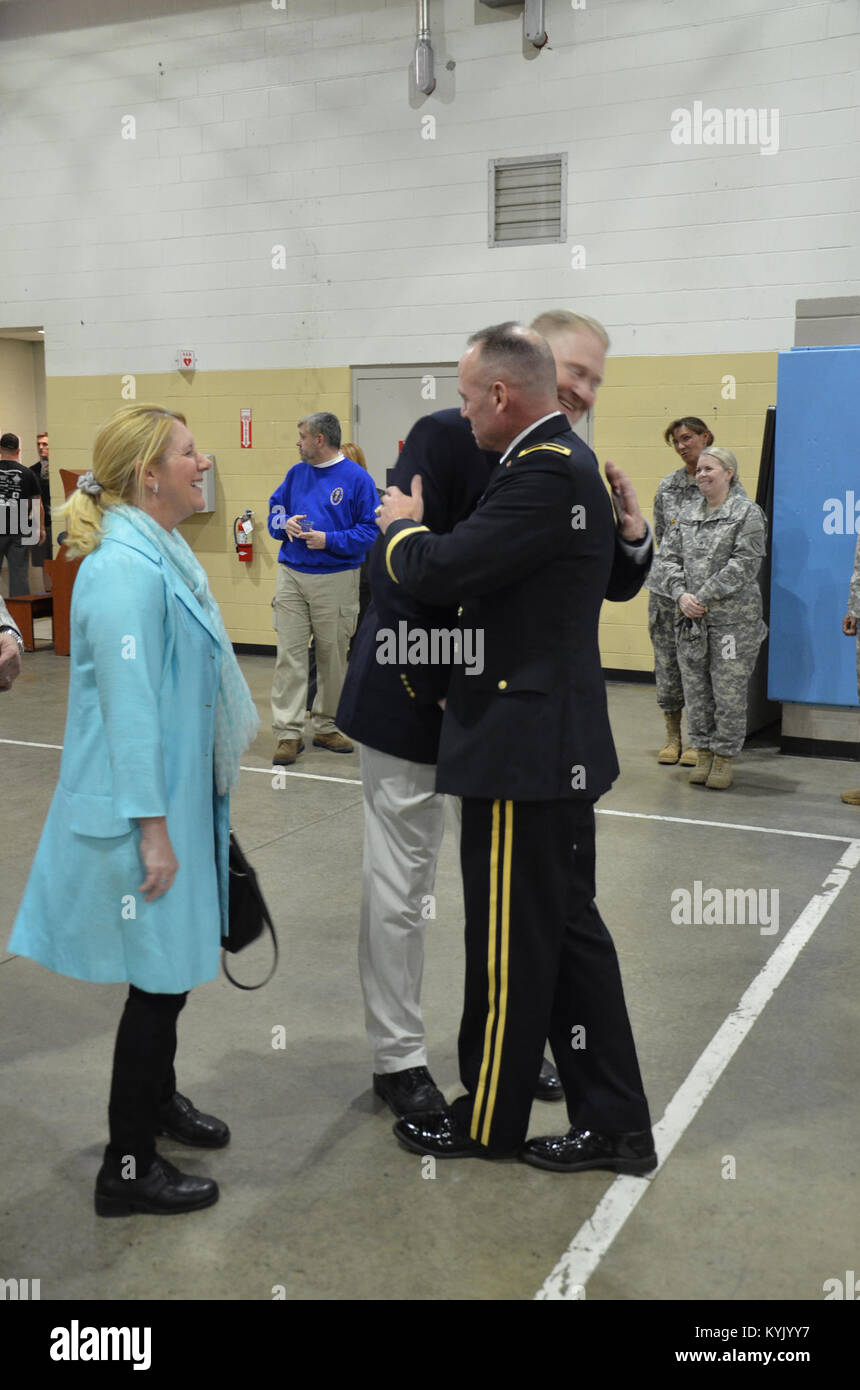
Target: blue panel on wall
<point>816,520</point>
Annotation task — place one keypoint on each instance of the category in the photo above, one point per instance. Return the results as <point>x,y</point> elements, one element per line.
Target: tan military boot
<point>851,798</point>
<point>287,751</point>
<point>671,752</point>
<point>335,742</point>
<point>700,773</point>
<point>688,757</point>
<point>720,775</point>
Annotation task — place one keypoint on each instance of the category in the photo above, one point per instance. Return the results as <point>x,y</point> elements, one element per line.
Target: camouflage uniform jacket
<point>673,493</point>
<point>716,555</point>
<point>854,589</point>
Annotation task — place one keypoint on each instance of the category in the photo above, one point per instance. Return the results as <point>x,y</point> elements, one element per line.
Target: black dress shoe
<point>437,1134</point>
<point>580,1149</point>
<point>164,1191</point>
<point>549,1085</point>
<point>181,1121</point>
<point>409,1092</point>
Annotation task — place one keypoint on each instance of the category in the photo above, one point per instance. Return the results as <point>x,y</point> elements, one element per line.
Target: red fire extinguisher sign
<point>245,428</point>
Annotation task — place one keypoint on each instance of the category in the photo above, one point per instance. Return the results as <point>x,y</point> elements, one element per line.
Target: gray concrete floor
<point>316,1195</point>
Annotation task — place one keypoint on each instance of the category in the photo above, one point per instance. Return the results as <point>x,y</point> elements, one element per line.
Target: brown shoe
<point>851,798</point>
<point>287,751</point>
<point>335,743</point>
<point>688,758</point>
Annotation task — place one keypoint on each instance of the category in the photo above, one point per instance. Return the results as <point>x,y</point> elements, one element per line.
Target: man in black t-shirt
<point>21,517</point>
<point>40,470</point>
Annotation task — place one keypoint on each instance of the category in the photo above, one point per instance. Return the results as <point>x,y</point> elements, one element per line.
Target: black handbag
<point>247,913</point>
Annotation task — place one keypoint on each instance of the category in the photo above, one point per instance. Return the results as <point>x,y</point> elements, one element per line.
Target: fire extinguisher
<point>243,530</point>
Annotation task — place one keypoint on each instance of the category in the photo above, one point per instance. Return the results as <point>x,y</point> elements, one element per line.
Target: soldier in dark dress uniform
<point>527,745</point>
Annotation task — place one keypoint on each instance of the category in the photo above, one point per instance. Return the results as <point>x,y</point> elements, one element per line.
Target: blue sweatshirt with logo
<point>338,498</point>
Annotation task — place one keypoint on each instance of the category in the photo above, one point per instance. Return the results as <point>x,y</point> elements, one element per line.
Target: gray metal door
<point>386,402</point>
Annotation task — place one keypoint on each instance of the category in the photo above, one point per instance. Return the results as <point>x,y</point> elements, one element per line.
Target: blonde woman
<point>129,882</point>
<point>708,567</point>
<point>356,453</point>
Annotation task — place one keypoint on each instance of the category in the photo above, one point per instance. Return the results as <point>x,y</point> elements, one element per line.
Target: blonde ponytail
<point>133,439</point>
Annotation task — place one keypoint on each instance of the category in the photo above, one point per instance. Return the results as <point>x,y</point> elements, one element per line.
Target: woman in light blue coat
<point>129,882</point>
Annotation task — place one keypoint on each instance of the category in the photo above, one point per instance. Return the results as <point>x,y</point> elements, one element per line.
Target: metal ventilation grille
<point>528,200</point>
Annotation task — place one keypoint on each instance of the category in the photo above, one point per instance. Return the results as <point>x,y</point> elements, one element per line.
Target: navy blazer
<point>394,706</point>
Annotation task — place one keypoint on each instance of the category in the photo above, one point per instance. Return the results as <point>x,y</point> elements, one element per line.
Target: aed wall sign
<point>245,428</point>
<point>186,359</point>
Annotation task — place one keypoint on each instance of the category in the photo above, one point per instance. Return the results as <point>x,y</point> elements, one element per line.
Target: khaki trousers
<point>404,820</point>
<point>325,605</point>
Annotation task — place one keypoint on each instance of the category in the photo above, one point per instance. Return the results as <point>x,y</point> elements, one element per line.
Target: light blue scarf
<point>236,719</point>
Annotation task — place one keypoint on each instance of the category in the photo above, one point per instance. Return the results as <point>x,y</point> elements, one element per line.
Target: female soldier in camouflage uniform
<point>708,566</point>
<point>689,436</point>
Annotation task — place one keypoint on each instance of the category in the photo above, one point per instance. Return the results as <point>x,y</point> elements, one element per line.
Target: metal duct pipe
<point>533,22</point>
<point>425,80</point>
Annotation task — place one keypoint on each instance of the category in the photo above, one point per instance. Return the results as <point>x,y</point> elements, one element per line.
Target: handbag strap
<point>238,983</point>
<point>268,921</point>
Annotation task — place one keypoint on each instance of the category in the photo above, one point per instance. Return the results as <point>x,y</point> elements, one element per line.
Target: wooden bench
<point>61,573</point>
<point>24,608</point>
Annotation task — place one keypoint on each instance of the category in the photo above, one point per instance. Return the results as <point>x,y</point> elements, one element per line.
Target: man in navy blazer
<point>393,708</point>
<point>527,745</point>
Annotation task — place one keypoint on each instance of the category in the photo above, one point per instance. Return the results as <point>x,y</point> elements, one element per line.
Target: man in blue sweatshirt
<point>324,513</point>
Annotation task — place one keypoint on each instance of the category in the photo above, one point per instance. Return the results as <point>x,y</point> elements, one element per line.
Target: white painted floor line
<point>601,811</point>
<point>729,825</point>
<point>309,776</point>
<point>591,1242</point>
<point>269,771</point>
<point>20,743</point>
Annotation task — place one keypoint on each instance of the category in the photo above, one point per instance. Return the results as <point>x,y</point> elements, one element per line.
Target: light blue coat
<point>143,682</point>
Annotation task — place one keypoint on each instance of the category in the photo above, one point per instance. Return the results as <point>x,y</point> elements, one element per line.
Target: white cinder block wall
<point>257,126</point>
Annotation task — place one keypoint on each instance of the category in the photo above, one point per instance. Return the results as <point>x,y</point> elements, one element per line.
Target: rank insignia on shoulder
<point>535,448</point>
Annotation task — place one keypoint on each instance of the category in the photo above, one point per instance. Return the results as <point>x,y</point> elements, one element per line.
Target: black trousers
<point>17,556</point>
<point>540,964</point>
<point>143,1077</point>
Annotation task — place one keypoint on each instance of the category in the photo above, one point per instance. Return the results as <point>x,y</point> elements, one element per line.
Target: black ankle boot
<point>162,1191</point>
<point>179,1119</point>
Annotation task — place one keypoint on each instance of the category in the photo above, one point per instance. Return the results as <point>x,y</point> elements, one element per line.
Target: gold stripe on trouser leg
<point>491,973</point>
<point>503,968</point>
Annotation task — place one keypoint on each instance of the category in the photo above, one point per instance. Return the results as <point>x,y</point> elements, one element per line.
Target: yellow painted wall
<point>211,402</point>
<point>640,396</point>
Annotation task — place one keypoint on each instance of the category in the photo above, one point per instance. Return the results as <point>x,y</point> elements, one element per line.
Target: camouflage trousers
<point>667,674</point>
<point>716,661</point>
